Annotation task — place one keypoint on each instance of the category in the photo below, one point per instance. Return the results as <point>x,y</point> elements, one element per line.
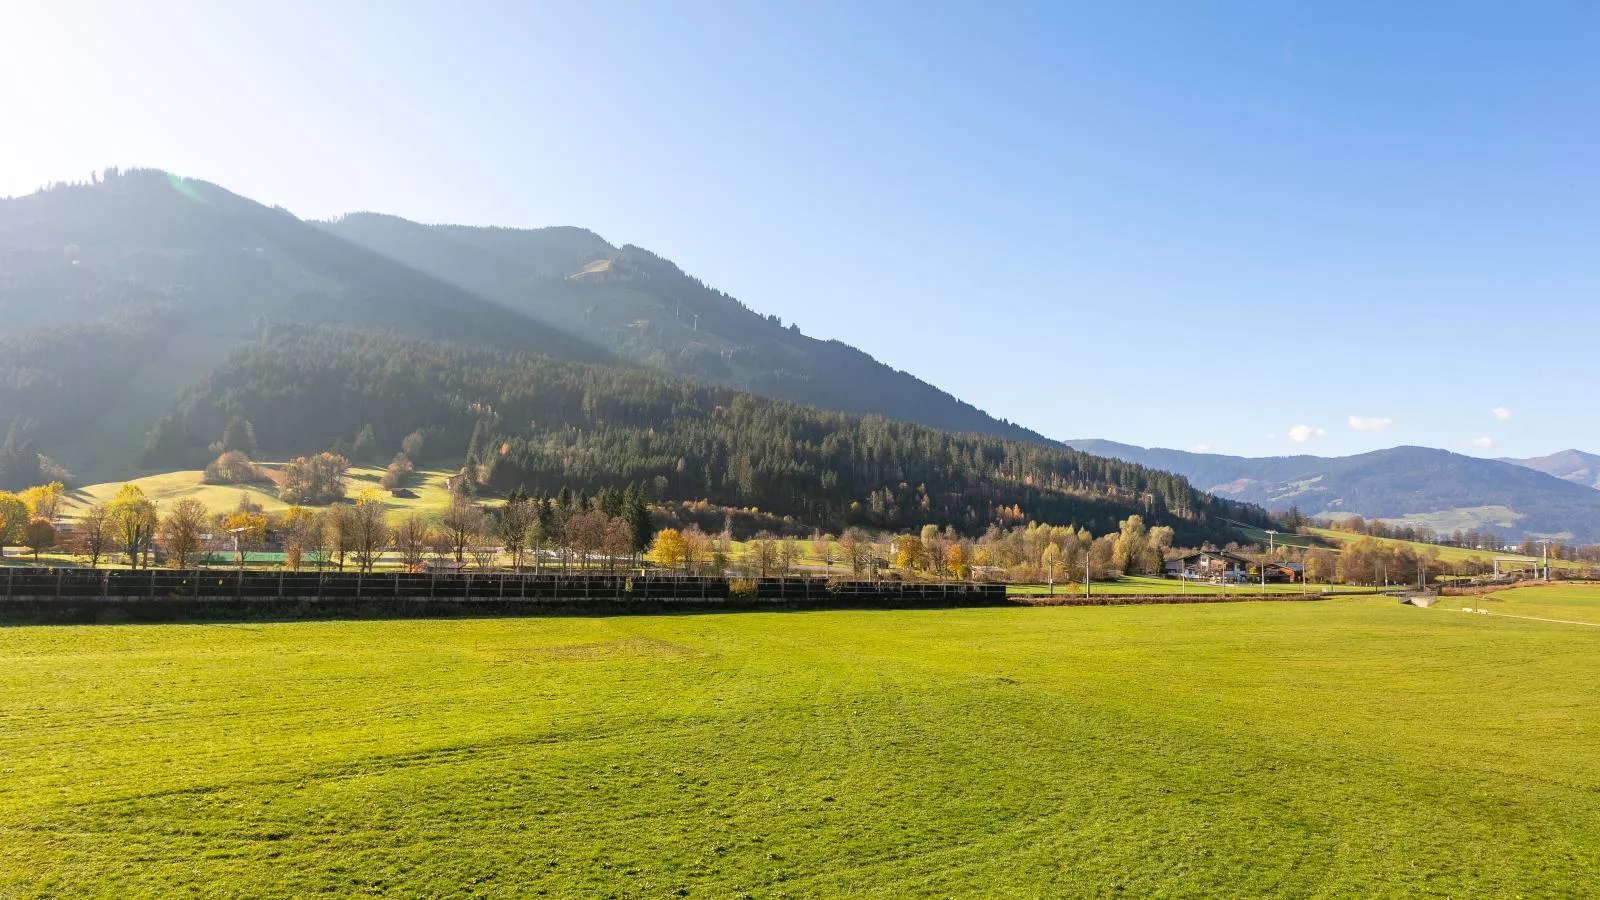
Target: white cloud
<point>1370,423</point>
<point>1302,433</point>
<point>1202,448</point>
<point>1483,443</point>
<point>1501,413</point>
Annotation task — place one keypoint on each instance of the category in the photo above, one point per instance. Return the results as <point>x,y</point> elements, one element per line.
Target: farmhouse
<point>1212,564</point>
<point>1279,573</point>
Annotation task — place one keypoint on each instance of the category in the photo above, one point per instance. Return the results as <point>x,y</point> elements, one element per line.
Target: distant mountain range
<point>1549,497</point>
<point>1569,465</point>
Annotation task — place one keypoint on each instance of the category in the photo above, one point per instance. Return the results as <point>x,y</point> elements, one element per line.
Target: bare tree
<point>369,532</point>
<point>440,547</point>
<point>461,522</point>
<point>515,518</point>
<point>336,533</point>
<point>618,542</point>
<point>180,531</point>
<point>485,552</point>
<point>411,540</point>
<point>92,537</point>
<point>586,534</point>
<point>761,555</point>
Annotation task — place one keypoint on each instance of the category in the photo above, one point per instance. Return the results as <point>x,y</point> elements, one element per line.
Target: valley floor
<point>1348,747</point>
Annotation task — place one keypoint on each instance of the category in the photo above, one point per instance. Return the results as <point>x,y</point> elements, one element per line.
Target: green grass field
<point>1341,748</point>
<point>1143,585</point>
<point>1450,554</point>
<point>1565,602</point>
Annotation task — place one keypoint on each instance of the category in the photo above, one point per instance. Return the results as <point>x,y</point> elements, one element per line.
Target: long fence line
<point>165,594</point>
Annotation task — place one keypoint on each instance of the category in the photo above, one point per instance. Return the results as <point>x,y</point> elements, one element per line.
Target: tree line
<point>538,423</point>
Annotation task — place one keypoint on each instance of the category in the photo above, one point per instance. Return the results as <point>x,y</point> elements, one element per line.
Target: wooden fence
<point>166,594</point>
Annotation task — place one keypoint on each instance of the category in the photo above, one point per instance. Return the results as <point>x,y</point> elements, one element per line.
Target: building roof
<point>1215,554</point>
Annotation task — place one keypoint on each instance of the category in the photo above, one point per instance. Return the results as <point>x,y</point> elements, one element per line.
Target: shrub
<point>232,467</point>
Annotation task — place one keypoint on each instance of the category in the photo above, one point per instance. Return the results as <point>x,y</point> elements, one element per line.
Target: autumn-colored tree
<point>134,522</point>
<point>667,550</point>
<point>232,467</point>
<point>180,531</point>
<point>44,501</point>
<point>315,480</point>
<point>301,529</point>
<point>1128,552</point>
<point>13,520</point>
<point>933,548</point>
<point>248,531</point>
<point>394,477</point>
<point>957,561</point>
<point>908,552</point>
<point>38,536</point>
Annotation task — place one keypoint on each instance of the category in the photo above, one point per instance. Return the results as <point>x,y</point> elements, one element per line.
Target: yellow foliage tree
<point>669,550</point>
<point>249,530</point>
<point>955,560</point>
<point>44,501</point>
<point>908,552</point>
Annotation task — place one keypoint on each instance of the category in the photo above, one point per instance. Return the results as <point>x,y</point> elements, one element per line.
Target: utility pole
<point>1270,535</point>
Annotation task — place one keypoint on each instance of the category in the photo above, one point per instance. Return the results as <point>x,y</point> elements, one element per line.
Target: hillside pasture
<point>431,497</point>
<point>1449,555</point>
<point>1345,747</point>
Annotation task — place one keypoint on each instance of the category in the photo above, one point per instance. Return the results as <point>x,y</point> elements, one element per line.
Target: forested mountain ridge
<point>646,309</point>
<point>115,294</point>
<point>1575,466</point>
<point>541,424</point>
<point>1436,488</point>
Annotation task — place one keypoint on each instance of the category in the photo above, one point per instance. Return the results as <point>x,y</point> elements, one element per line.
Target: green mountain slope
<point>646,309</point>
<point>114,295</point>
<point>543,424</point>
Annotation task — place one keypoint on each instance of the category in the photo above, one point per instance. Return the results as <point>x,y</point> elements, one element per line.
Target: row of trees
<point>1031,552</point>
<point>611,528</point>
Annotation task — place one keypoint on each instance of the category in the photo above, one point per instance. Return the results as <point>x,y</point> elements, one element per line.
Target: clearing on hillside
<point>1347,747</point>
<point>430,496</point>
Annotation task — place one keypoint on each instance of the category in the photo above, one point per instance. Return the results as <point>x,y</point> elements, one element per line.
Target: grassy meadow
<point>1454,554</point>
<point>1133,585</point>
<point>1344,748</point>
<point>168,487</point>
<point>1578,602</point>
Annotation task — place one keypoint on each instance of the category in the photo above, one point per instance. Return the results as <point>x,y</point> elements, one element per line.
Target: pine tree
<point>366,445</point>
<point>636,512</point>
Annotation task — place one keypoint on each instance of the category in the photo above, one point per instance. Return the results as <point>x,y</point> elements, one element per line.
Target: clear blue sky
<point>1178,224</point>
